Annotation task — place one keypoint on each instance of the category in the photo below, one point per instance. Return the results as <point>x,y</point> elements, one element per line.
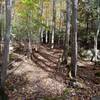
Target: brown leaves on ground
<point>40,78</point>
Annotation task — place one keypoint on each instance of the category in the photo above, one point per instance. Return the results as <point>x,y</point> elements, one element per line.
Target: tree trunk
<point>66,42</point>
<point>46,31</point>
<point>8,4</point>
<point>96,36</point>
<point>46,36</point>
<point>74,39</point>
<point>29,30</point>
<point>29,45</point>
<point>95,48</point>
<point>41,28</point>
<point>41,34</point>
<point>2,23</point>
<point>53,25</point>
<point>60,25</point>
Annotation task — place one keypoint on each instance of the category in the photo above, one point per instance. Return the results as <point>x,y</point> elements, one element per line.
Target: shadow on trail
<point>51,69</point>
<point>42,64</point>
<point>48,57</point>
<point>49,52</point>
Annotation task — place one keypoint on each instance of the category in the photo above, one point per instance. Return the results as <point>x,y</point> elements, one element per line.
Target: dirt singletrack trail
<point>36,77</point>
<point>39,77</point>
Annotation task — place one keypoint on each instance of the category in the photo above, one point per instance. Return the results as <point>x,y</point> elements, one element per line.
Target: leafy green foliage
<point>26,17</point>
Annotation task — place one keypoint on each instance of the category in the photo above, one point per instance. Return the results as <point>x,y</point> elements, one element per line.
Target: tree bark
<point>95,48</point>
<point>96,35</point>
<point>41,28</point>
<point>46,36</point>
<point>66,42</point>
<point>8,4</point>
<point>53,25</point>
<point>29,45</point>
<point>2,9</point>
<point>74,39</point>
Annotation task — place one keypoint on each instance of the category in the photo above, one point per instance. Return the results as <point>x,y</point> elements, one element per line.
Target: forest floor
<point>41,78</point>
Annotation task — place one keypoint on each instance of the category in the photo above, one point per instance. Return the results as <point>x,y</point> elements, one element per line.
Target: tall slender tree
<point>74,39</point>
<point>66,44</point>
<point>2,23</point>
<point>41,28</point>
<point>98,30</point>
<point>53,23</point>
<point>5,59</point>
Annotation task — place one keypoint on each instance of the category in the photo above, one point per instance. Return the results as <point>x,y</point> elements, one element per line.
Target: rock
<point>95,98</point>
<point>87,53</point>
<point>80,85</point>
<point>90,53</point>
<point>77,85</point>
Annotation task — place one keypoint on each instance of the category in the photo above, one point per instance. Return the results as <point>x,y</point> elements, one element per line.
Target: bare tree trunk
<point>29,44</point>
<point>0,18</point>
<point>41,28</point>
<point>53,25</point>
<point>74,39</point>
<point>29,30</point>
<point>96,44</point>
<point>8,4</point>
<point>46,36</point>
<point>60,25</point>
<point>2,9</point>
<point>95,48</point>
<point>66,42</point>
<point>46,31</point>
<point>96,36</point>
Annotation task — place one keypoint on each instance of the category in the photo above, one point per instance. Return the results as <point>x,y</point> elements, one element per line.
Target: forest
<point>49,49</point>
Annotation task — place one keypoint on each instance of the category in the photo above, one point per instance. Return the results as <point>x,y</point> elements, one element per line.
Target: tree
<point>66,44</point>
<point>5,58</point>
<point>2,23</point>
<point>27,21</point>
<point>98,30</point>
<point>53,24</point>
<point>41,28</point>
<point>74,39</point>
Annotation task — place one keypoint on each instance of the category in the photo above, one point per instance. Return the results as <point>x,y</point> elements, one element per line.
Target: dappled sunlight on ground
<point>38,80</point>
<point>39,77</point>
